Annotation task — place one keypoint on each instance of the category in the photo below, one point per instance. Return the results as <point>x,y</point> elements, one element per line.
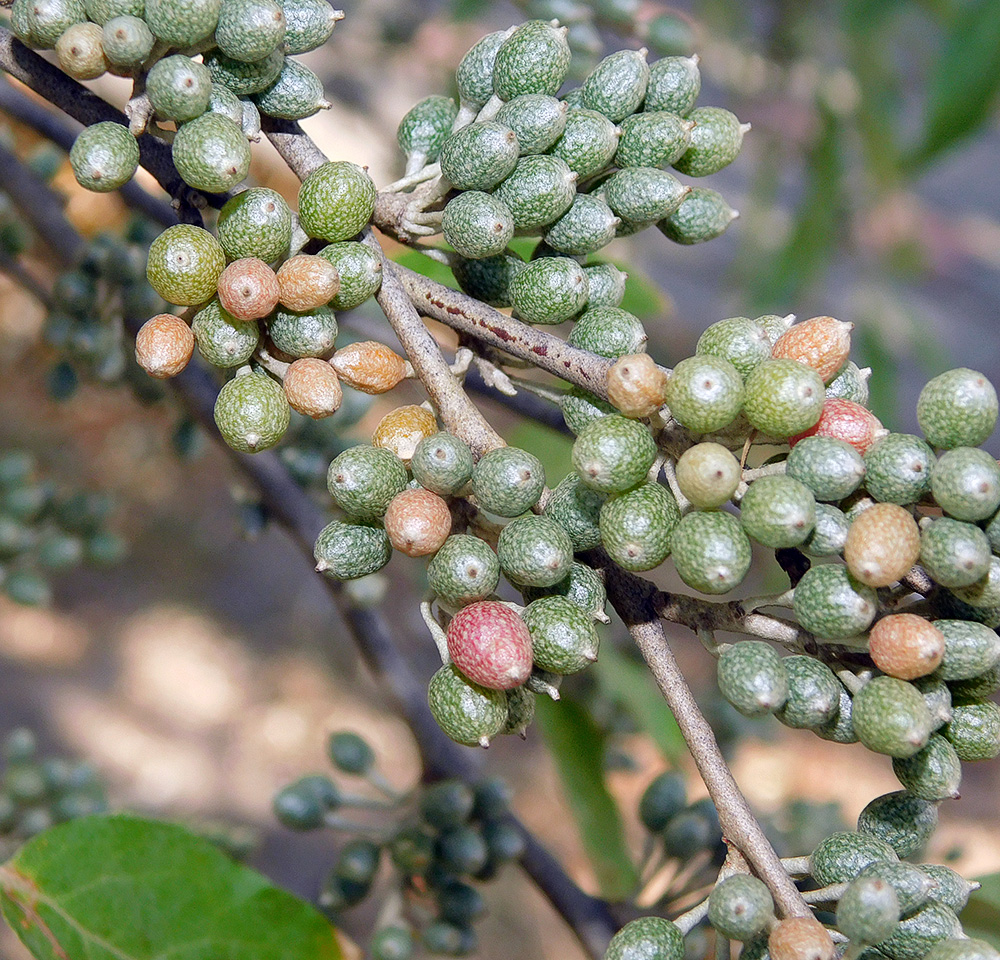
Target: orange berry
<point>369,366</point>
<point>822,343</point>
<point>400,430</point>
<point>312,388</point>
<point>418,522</point>
<point>163,346</point>
<point>307,282</point>
<point>800,938</point>
<point>906,646</point>
<point>248,289</point>
<point>636,385</point>
<point>882,544</point>
<point>848,421</point>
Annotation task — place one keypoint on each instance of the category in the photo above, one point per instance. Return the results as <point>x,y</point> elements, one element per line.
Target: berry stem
<point>830,894</point>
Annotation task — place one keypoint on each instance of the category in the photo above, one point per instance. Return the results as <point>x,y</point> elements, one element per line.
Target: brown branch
<point>294,145</point>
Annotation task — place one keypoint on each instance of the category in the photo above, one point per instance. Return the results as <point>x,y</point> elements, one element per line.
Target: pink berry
<point>163,346</point>
<point>848,421</point>
<point>417,522</point>
<point>491,645</point>
<point>248,289</point>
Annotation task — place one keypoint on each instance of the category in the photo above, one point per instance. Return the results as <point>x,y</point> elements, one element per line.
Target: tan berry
<point>248,289</point>
<point>400,430</point>
<point>800,938</point>
<point>369,366</point>
<point>882,544</point>
<point>312,388</point>
<point>163,346</point>
<point>80,51</point>
<point>307,282</point>
<point>848,421</point>
<point>906,646</point>
<point>822,343</point>
<point>636,385</point>
<point>418,522</point>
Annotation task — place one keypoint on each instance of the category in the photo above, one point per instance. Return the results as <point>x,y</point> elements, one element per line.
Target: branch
<point>294,145</point>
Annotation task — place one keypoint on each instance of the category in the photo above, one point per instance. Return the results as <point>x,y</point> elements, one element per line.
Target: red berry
<point>848,421</point>
<point>248,289</point>
<point>491,645</point>
<point>418,522</point>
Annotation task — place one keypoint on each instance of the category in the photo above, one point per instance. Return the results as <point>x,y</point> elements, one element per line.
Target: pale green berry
<point>127,41</point>
<point>363,480</point>
<point>477,224</point>
<point>708,475</point>
<point>360,270</point>
<point>507,481</point>
<point>918,933</point>
<point>479,156</point>
<point>643,195</point>
<point>710,551</point>
<point>715,142</point>
<point>178,88</point>
<point>588,143</point>
<point>984,593</point>
<point>585,227</point>
<point>830,603</point>
<point>783,397</point>
<point>911,884</point>
<point>703,215</point>
<point>426,126</point>
<point>650,938</point>
<point>898,468</point>
<point>252,413</point>
<point>182,23</point>
<point>740,907</point>
<point>22,24</point>
<point>970,649</point>
<point>617,85</point>
<point>613,454</point>
<point>249,29</point>
<point>184,264</point>
<point>841,728</point>
<point>537,119</point>
<point>582,586</point>
<point>740,340</point>
<point>829,534</point>
<point>488,279</point>
<point>954,553</point>
<point>308,24</point>
<point>466,712</point>
<point>347,551</point>
<point>965,482</point>
<point>79,52</point>
<point>104,156</point>
<point>311,333</point>
<point>464,570</point>
<point>211,153</point>
<point>336,201</point>
<point>43,22</point>
<point>250,122</point>
<point>580,408</point>
<point>255,223</point>
<point>442,463</point>
<point>637,526</point>
<point>474,74</point>
<point>705,393</point>
<point>851,383</point>
<point>934,773</point>
<point>538,191</point>
<point>974,730</point>
<point>549,290</point>
<point>652,139</point>
<point>868,912</point>
<point>533,59</point>
<point>952,888</point>
<point>534,551</point>
<point>244,78</point>
<point>813,693</point>
<point>609,332</point>
<point>674,85</point>
<point>832,469</point>
<point>778,511</point>
<point>101,11</point>
<point>752,678</point>
<point>957,409</point>
<point>891,717</point>
<point>606,285</point>
<point>296,93</point>
<point>843,855</point>
<point>223,340</point>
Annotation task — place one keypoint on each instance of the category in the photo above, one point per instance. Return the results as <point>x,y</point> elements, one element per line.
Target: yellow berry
<point>636,385</point>
<point>312,388</point>
<point>400,430</point>
<point>163,346</point>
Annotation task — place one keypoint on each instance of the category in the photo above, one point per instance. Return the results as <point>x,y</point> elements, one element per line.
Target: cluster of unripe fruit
<point>512,158</point>
<point>210,67</point>
<point>45,532</point>
<point>439,841</point>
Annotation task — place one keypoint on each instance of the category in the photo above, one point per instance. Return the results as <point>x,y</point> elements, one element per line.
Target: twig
<point>294,145</point>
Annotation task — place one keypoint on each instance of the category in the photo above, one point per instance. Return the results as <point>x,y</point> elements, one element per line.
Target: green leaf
<point>981,918</point>
<point>554,449</point>
<point>577,745</point>
<point>124,888</point>
<point>964,82</point>
<point>418,263</point>
<point>632,685</point>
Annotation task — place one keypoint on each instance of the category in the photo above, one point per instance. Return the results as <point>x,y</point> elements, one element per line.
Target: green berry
<point>363,480</point>
<point>851,383</point>
<point>563,638</point>
<point>242,78</point>
<point>585,227</point>
<point>674,85</point>
<point>842,856</point>
<point>902,821</point>
<point>588,143</point>
<point>740,907</point>
<point>349,550</point>
<point>412,850</point>
<point>250,121</point>
<point>970,949</point>
<point>898,468</point>
<point>954,553</point>
<point>446,804</point>
<point>778,511</point>
<point>916,934</point>
<point>549,290</point>
<point>891,717</point>
<point>308,334</point>
<point>911,885</point>
<point>813,693</point>
<point>582,586</point>
<point>211,153</point>
<point>783,397</point>
<point>617,85</point>
<point>715,142</point>
<point>841,728</point>
<point>710,551</point>
<point>459,903</point>
<point>360,270</point>
<point>479,156</point>
<point>296,93</point>
<point>740,340</point>
<point>662,800</point>
<point>938,697</point>
<point>705,393</point>
<point>336,201</point>
<point>537,119</point>
<point>442,463</point>
<point>648,938</point>
<point>952,889</point>
<point>300,806</point>
<point>178,88</point>
<point>533,59</point>
<point>703,215</point>
<point>223,340</point>
<point>507,481</point>
<point>104,157</point>
<point>487,279</point>
<point>43,22</point>
<point>609,332</point>
<point>538,191</point>
<point>464,570</point>
<point>127,41</point>
<point>101,11</point>
<point>350,753</point>
<point>868,911</point>
<point>708,475</point>
<point>974,730</point>
<point>752,678</point>
<point>637,526</point>
<point>957,409</point>
<point>255,223</point>
<point>652,139</point>
<point>308,24</point>
<point>477,225</point>
<point>614,454</point>
<point>932,774</point>
<point>184,264</point>
<point>965,482</point>
<point>249,30</point>
<point>580,408</point>
<point>252,413</point>
<point>466,712</point>
<point>643,195</point>
<point>576,508</point>
<point>976,688</point>
<point>832,469</point>
<point>426,126</point>
<point>984,593</point>
<point>182,23</point>
<point>534,551</point>
<point>474,74</point>
<point>830,603</point>
<point>970,649</point>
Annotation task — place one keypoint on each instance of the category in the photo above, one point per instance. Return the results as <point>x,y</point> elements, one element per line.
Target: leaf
<point>633,686</point>
<point>577,745</point>
<point>124,888</point>
<point>964,82</point>
<point>981,918</point>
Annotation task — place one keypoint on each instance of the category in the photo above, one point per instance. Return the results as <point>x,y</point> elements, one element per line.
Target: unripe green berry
<point>243,78</point>
<point>43,22</point>
<point>488,279</point>
<point>842,856</point>
<point>537,119</point>
<point>182,23</point>
<point>637,526</point>
<point>533,59</point>
<point>308,24</point>
<point>606,284</point>
<point>952,888</point>
<point>891,717</point>
<point>184,264</point>
<point>576,508</point>
<point>360,271</point>
<point>464,570</point>
<point>104,156</point>
<point>178,88</point>
<point>295,94</point>
<point>223,340</point>
<point>830,603</point>
<point>479,156</point>
<point>477,225</point>
<point>617,85</point>
<point>336,202</point>
<point>703,215</point>
<point>974,730</point>
<point>648,938</point>
<point>534,551</point>
<point>442,463</point>
<point>538,191</point>
<point>783,397</point>
<point>614,454</point>
<point>778,511</point>
<point>507,481</point>
<point>563,638</point>
<point>708,475</point>
<point>255,223</point>
<point>127,41</point>
<point>970,649</point>
<point>954,553</point>
<point>609,332</point>
<point>211,153</point>
<point>101,11</point>
<point>916,934</point>
<point>813,693</point>
<point>832,469</point>
<point>740,340</point>
<point>252,413</point>
<point>249,30</point>
<point>957,409</point>
<point>674,85</point>
<point>582,586</point>
<point>740,907</point>
<point>933,773</point>
<point>474,74</point>
<point>652,139</point>
<point>965,949</point>
<point>353,549</point>
<point>663,799</point>
<point>715,142</point>
<point>965,482</point>
<point>898,468</point>
<point>311,333</point>
<point>643,195</point>
<point>705,393</point>
<point>868,911</point>
<point>910,883</point>
<point>710,551</point>
<point>588,142</point>
<point>425,127</point>
<point>585,227</point>
<point>466,712</point>
<point>752,678</point>
<point>350,753</point>
<point>549,290</point>
<point>363,481</point>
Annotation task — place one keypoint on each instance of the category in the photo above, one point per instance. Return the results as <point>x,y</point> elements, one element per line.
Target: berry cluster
<point>44,532</point>
<point>438,841</point>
